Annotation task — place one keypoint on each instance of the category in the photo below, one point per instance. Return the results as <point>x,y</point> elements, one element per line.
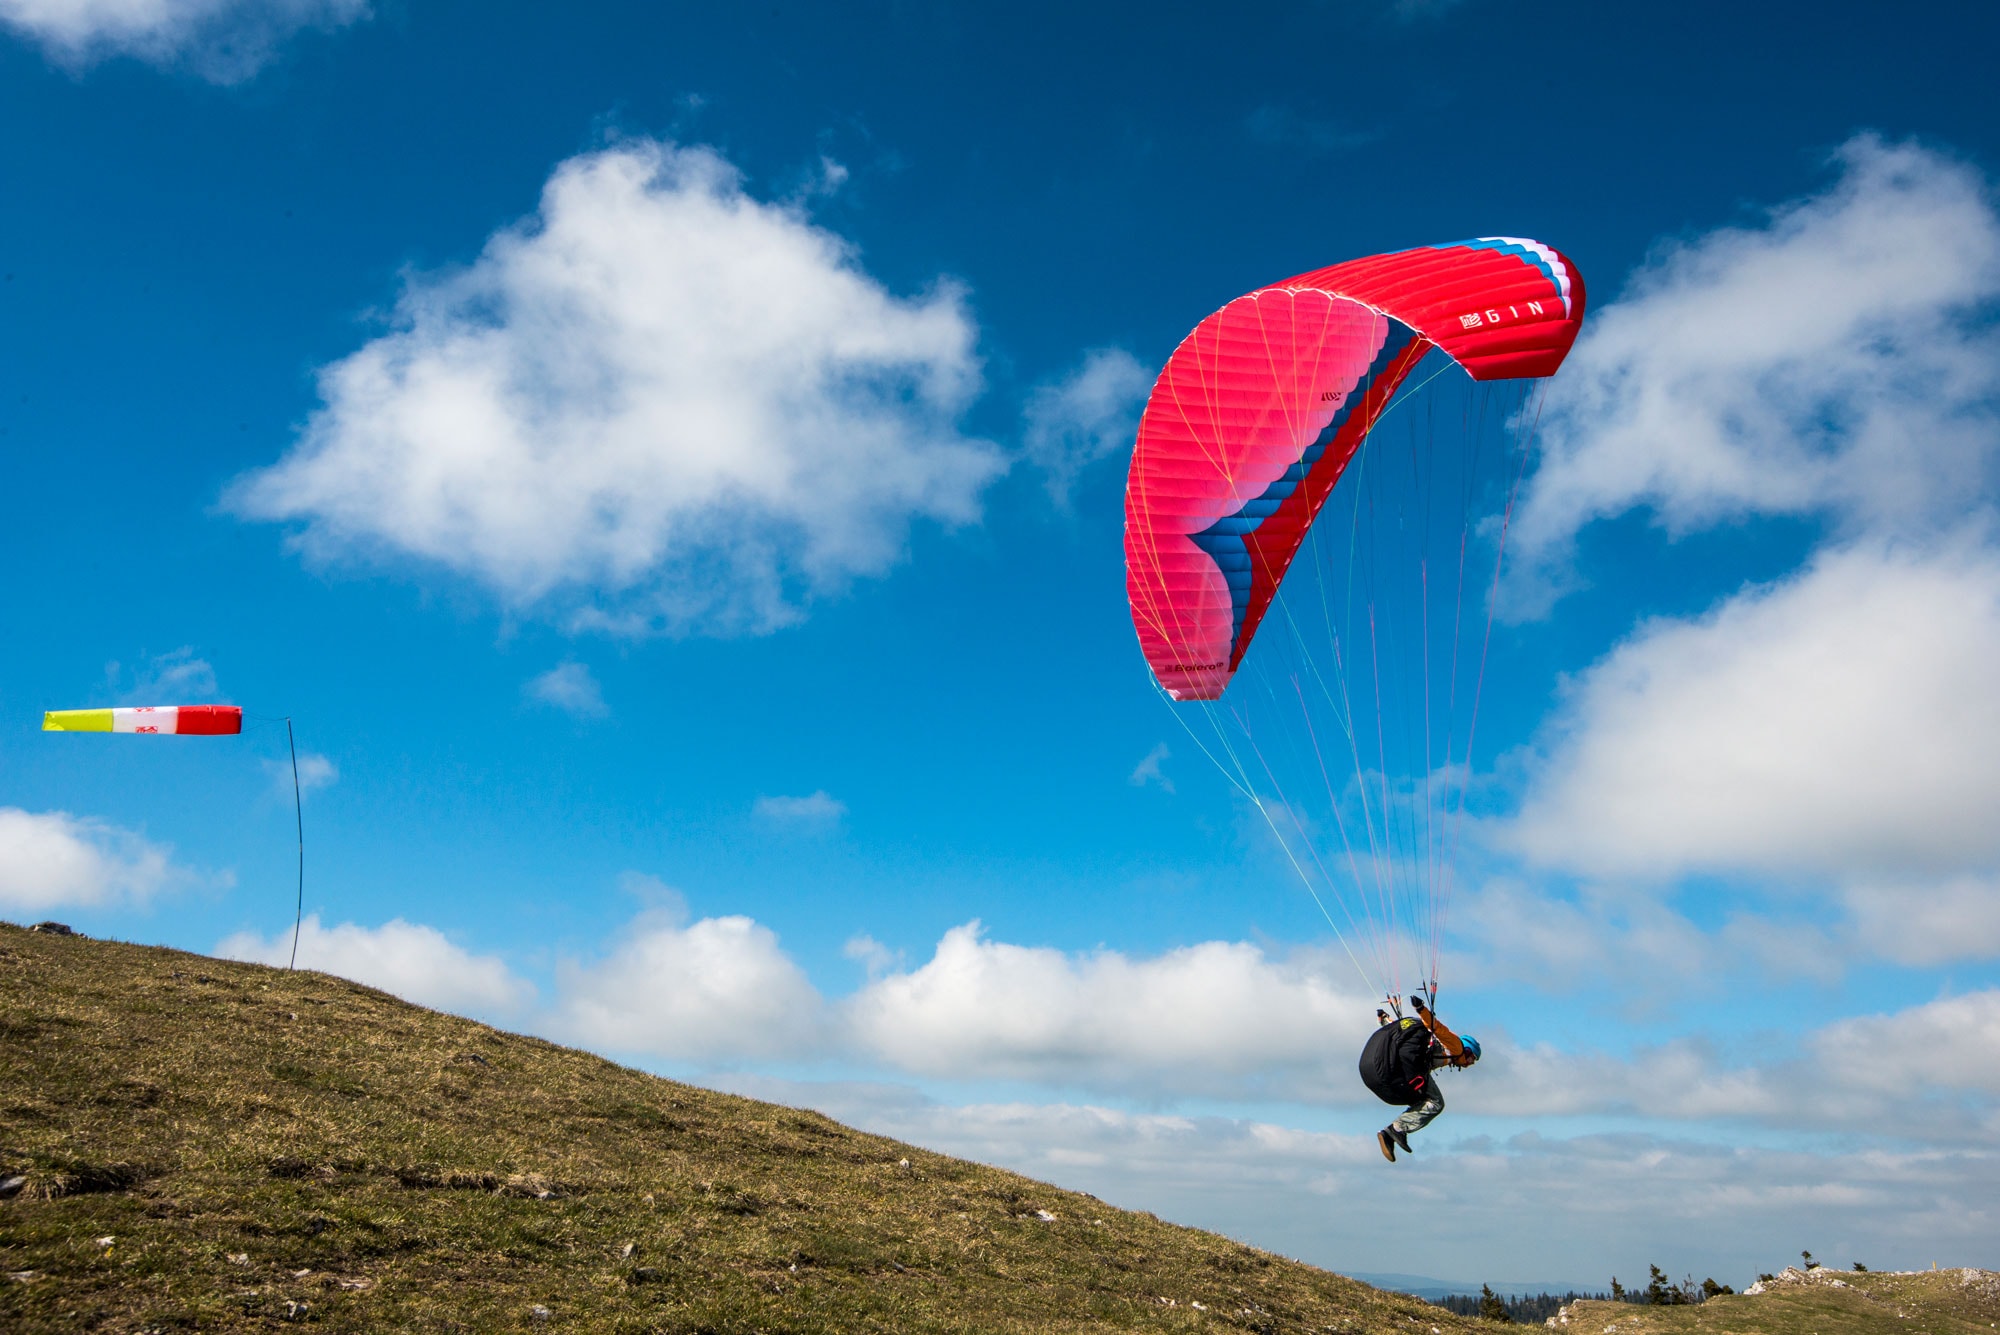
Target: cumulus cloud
<point>1223,1020</point>
<point>1087,415</point>
<point>51,859</point>
<point>1216,1020</point>
<point>661,403</point>
<point>570,687</point>
<point>1839,724</point>
<point>817,810</point>
<point>1839,359</point>
<point>719,989</point>
<point>224,41</point>
<point>1219,1016</point>
<point>1924,1073</point>
<point>410,960</point>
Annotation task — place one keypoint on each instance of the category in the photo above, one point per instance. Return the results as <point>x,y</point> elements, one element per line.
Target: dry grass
<point>217,1146</point>
<point>1824,1302</point>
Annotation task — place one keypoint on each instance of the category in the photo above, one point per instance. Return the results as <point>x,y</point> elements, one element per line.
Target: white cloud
<point>816,810</point>
<point>224,41</point>
<point>720,989</point>
<point>1148,770</point>
<point>315,771</point>
<point>1216,1020</point>
<point>654,893</point>
<point>1214,1017</point>
<point>1090,414</point>
<point>1951,1044</point>
<point>1841,724</point>
<point>1562,943</point>
<point>659,404</point>
<point>1632,941</point>
<point>1924,1073</point>
<point>51,860</point>
<point>871,954</point>
<point>570,687</point>
<point>410,960</point>
<point>177,677</point>
<point>1840,360</point>
<point>1928,923</point>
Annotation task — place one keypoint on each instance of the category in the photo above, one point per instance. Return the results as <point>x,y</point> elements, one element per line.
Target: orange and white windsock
<point>176,720</point>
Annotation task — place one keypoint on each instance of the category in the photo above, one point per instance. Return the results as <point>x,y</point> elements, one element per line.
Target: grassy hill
<point>1817,1302</point>
<point>192,1144</point>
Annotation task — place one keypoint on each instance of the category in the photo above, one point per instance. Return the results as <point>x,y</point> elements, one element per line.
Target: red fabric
<point>209,720</point>
<point>1277,540</point>
<point>1257,383</point>
<point>1241,396</point>
<point>1433,290</point>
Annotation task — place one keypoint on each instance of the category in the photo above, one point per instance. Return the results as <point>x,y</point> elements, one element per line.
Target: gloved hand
<point>1418,1000</point>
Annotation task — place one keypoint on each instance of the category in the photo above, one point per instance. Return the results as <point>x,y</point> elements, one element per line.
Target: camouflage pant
<point>1420,1115</point>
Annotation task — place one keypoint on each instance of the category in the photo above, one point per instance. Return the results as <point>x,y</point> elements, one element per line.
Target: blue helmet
<point>1471,1046</point>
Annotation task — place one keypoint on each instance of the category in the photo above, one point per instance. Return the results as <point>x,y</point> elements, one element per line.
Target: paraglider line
<point>1486,642</point>
<point>1241,781</point>
<point>1311,846</point>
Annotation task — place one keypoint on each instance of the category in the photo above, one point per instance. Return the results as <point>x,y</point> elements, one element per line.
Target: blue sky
<point>668,464</point>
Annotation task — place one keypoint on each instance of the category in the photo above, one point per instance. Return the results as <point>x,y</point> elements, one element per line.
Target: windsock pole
<point>299,816</point>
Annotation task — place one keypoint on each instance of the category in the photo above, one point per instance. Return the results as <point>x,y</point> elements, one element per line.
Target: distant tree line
<point>1528,1311</point>
<point>1659,1292</point>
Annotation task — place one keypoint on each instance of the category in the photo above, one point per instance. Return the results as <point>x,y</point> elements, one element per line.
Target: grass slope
<point>218,1146</point>
<point>1819,1302</point>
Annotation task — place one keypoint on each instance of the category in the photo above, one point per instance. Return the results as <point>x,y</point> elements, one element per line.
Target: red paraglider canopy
<point>1262,406</point>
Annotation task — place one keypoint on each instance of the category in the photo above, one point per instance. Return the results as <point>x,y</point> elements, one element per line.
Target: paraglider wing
<point>176,720</point>
<point>1262,406</point>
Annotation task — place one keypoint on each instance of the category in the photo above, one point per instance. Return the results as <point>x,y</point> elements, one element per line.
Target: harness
<point>1396,1062</point>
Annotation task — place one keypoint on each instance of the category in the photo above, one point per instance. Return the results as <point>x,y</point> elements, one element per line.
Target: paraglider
<point>1399,1065</point>
<point>1352,723</point>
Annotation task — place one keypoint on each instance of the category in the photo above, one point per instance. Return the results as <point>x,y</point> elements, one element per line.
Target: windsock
<point>179,720</point>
